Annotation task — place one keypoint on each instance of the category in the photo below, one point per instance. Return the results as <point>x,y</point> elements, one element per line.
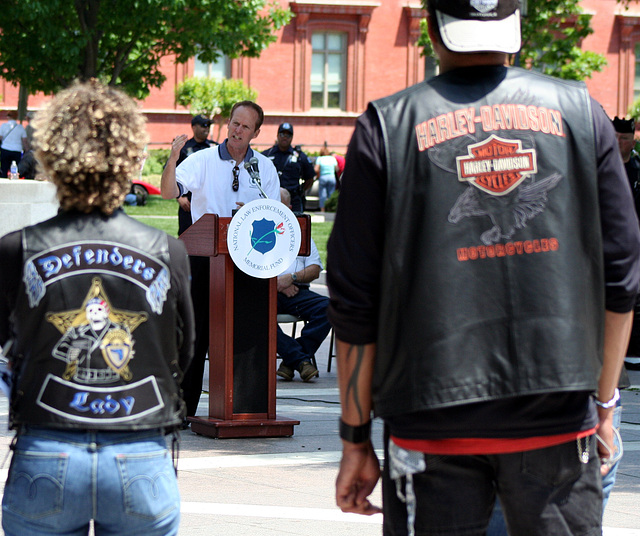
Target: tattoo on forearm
<point>357,352</point>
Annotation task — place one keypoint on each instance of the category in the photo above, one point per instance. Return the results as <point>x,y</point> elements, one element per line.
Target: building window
<point>335,89</point>
<point>327,70</point>
<point>218,69</point>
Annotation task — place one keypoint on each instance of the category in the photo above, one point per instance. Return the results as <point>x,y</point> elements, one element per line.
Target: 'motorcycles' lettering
<point>510,249</point>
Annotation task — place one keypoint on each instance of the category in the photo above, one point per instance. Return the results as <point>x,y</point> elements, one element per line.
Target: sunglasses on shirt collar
<point>236,174</point>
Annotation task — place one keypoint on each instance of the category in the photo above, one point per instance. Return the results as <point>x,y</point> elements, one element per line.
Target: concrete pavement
<point>285,486</point>
<point>263,487</point>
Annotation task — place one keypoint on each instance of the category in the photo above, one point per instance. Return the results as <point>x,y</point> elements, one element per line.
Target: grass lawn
<point>163,214</point>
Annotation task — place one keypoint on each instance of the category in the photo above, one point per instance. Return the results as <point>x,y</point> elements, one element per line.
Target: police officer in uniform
<point>97,322</point>
<point>200,126</point>
<point>293,165</point>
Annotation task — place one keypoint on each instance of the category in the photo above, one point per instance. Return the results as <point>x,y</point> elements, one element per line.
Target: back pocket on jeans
<point>149,484</point>
<point>35,488</point>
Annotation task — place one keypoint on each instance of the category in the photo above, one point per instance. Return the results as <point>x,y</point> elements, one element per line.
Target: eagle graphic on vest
<point>507,213</point>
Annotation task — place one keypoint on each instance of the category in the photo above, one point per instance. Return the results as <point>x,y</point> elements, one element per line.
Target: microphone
<point>253,161</point>
<point>254,172</point>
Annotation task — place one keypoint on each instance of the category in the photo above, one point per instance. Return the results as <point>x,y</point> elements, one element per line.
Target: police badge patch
<point>263,236</point>
<point>117,350</point>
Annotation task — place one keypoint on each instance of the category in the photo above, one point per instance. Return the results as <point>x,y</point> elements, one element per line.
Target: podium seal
<point>263,238</point>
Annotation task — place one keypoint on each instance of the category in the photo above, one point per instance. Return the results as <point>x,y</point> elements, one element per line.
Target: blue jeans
<point>326,186</point>
<point>610,478</point>
<point>60,480</point>
<point>312,308</point>
<point>497,524</point>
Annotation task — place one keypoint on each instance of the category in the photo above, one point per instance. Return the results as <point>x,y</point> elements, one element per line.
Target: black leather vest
<point>95,326</point>
<point>492,281</point>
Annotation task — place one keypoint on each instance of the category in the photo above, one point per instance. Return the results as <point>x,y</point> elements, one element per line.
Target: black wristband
<point>355,434</point>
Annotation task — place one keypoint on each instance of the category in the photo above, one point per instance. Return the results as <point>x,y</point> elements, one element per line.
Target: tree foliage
<point>48,43</point>
<point>213,98</point>
<point>552,32</point>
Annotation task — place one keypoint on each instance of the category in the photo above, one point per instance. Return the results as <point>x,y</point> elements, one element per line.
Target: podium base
<point>223,429</point>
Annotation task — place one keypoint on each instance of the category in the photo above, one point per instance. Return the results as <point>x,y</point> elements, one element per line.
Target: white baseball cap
<point>479,25</point>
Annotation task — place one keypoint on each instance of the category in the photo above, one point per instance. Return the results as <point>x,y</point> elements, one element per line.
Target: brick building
<point>335,56</point>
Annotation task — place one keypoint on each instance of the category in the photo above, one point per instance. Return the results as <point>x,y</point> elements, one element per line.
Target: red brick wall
<point>389,63</point>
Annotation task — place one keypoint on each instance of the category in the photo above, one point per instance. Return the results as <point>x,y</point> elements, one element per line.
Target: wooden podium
<point>242,339</point>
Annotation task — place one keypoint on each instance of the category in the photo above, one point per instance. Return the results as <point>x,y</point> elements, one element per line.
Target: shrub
<point>155,162</point>
<point>331,204</point>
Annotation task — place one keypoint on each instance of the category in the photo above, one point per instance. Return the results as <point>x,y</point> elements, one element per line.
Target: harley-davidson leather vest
<point>492,281</point>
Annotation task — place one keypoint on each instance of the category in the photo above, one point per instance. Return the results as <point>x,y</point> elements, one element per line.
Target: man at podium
<point>219,183</point>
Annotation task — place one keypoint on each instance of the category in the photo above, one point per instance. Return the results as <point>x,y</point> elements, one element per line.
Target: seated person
<point>295,298</point>
<point>27,166</point>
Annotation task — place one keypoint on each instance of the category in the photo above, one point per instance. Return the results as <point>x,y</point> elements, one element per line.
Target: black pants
<point>6,157</point>
<point>192,381</point>
<point>543,492</point>
<point>296,200</point>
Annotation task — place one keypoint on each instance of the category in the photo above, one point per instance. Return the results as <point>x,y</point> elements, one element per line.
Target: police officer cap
<point>201,120</point>
<point>624,126</point>
<point>285,127</point>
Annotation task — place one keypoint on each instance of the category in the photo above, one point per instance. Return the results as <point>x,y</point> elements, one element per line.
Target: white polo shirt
<point>208,175</point>
<point>302,262</point>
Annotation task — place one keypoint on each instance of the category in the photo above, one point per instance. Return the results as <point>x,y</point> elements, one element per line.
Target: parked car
<point>312,199</point>
<point>144,188</point>
<point>140,190</point>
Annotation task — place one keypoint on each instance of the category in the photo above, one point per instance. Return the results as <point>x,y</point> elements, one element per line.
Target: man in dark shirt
<point>449,312</point>
<point>200,126</point>
<point>292,165</point>
<point>625,133</point>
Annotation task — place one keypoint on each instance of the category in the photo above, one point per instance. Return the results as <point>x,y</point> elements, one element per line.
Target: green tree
<point>634,110</point>
<point>552,32</point>
<point>48,43</point>
<point>213,98</point>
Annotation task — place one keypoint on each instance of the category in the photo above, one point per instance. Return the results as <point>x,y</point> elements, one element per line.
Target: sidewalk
<point>285,486</point>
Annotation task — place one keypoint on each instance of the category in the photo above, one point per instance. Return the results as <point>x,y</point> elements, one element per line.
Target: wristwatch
<point>294,276</point>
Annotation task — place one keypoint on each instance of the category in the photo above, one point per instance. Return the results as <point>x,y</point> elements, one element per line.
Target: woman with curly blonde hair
<point>97,320</point>
<point>89,142</point>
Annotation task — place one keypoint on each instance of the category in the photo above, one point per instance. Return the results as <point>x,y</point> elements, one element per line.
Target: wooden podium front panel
<point>250,344</point>
<point>242,339</point>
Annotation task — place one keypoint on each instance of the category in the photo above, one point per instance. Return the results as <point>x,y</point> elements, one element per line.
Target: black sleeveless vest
<point>492,282</point>
<point>95,326</point>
